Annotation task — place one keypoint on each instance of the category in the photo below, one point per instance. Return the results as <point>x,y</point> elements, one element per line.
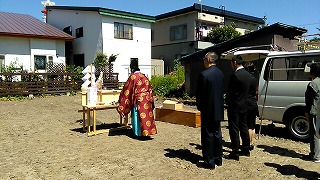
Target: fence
<point>46,83</point>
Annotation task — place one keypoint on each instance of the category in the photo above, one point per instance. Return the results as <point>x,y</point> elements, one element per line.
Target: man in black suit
<point>209,100</point>
<point>237,102</point>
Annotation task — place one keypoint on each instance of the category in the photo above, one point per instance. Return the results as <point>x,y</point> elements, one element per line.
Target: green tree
<point>102,59</point>
<point>112,58</point>
<point>221,34</point>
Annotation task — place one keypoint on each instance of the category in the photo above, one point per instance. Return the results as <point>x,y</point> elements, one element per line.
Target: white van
<point>282,84</point>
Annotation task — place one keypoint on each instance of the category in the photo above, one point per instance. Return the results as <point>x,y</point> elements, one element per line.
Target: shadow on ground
<point>280,151</point>
<point>184,154</point>
<point>276,130</point>
<point>98,127</point>
<point>294,170</point>
<point>224,144</point>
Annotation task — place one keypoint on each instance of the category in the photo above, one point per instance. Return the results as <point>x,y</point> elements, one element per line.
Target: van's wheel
<point>299,127</point>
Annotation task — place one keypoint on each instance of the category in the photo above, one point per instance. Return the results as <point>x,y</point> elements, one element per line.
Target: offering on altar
<point>92,95</point>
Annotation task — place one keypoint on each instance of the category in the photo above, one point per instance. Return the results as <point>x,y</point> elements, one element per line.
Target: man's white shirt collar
<point>240,67</point>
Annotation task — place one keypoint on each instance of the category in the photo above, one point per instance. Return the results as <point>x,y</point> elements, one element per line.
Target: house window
<point>79,32</point>
<point>2,65</point>
<point>178,32</point>
<point>40,62</point>
<point>50,59</point>
<point>123,31</point>
<point>68,30</point>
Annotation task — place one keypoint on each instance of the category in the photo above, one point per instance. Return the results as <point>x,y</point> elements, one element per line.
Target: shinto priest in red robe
<point>137,97</point>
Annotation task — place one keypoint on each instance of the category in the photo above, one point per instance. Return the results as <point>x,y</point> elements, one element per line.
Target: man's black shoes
<point>218,162</point>
<point>245,153</point>
<point>205,165</point>
<point>233,155</point>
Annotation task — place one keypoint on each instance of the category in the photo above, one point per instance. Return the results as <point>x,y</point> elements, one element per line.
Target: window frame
<point>123,31</point>
<point>44,65</point>
<point>174,32</point>
<point>79,32</point>
<point>2,62</point>
<point>291,69</point>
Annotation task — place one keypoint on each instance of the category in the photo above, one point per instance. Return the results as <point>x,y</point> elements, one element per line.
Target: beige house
<point>184,31</point>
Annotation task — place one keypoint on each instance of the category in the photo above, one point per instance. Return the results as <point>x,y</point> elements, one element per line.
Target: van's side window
<point>289,68</point>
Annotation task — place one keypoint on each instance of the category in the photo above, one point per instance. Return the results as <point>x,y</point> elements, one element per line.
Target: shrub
<point>75,69</point>
<point>13,67</point>
<point>222,34</point>
<point>169,84</point>
<point>102,59</point>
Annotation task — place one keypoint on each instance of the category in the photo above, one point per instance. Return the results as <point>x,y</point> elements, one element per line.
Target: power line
<point>309,24</point>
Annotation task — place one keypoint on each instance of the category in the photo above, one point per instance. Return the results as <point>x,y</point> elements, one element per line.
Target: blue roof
<point>213,11</point>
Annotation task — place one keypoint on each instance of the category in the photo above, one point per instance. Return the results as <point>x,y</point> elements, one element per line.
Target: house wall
<point>47,48</point>
<point>288,44</point>
<point>161,28</point>
<point>242,26</point>
<point>98,36</point>
<point>163,48</point>
<point>204,17</point>
<point>139,47</point>
<point>170,52</point>
<point>22,50</point>
<point>91,42</point>
<point>157,67</point>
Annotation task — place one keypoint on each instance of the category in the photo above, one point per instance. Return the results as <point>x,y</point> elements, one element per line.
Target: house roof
<point>26,26</point>
<point>211,10</point>
<point>108,12</point>
<point>277,28</point>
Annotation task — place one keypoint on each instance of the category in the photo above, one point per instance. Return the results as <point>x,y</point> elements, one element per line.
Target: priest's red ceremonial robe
<point>137,90</point>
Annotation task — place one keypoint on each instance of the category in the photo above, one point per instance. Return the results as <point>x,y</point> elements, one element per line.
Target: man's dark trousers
<point>211,140</point>
<point>238,124</point>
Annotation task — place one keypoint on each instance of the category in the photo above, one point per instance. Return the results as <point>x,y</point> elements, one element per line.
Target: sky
<point>303,14</point>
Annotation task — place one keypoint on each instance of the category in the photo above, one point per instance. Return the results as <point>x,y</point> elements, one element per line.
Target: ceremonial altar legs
<point>104,102</point>
<point>91,111</point>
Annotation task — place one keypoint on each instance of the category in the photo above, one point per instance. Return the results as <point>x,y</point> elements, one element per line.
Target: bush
<point>75,69</point>
<point>169,84</point>
<point>222,34</point>
<point>13,67</point>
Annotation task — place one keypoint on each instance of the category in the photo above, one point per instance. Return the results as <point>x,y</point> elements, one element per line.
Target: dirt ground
<point>42,138</point>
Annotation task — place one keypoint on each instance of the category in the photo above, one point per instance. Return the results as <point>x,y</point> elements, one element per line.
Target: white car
<point>283,80</point>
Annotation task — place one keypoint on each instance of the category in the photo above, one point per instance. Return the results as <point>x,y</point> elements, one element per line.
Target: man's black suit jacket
<point>238,90</point>
<point>209,94</point>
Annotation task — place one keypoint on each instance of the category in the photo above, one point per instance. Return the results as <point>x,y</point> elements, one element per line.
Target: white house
<point>28,42</point>
<point>96,30</point>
